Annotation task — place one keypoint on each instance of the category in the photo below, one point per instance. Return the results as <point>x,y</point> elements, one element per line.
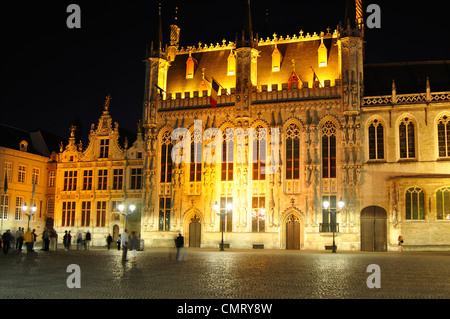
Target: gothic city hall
<point>279,142</point>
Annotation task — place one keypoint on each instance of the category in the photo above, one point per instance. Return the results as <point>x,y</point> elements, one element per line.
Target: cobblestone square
<point>233,274</point>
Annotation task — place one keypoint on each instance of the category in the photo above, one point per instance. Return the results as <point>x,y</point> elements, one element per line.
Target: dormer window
<point>190,67</point>
<point>23,146</point>
<point>323,55</point>
<point>104,148</point>
<point>276,60</point>
<point>231,64</point>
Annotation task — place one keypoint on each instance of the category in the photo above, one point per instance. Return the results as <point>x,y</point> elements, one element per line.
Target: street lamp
<point>216,208</point>
<point>326,205</point>
<point>124,213</point>
<point>30,213</point>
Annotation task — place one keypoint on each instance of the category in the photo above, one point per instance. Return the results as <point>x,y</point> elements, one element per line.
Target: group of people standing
<point>86,242</point>
<point>21,237</point>
<point>128,243</point>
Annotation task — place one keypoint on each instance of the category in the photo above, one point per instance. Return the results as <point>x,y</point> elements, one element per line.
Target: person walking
<point>66,241</point>
<point>119,240</point>
<point>134,245</point>
<point>34,239</point>
<point>179,242</point>
<point>69,240</point>
<point>400,243</point>
<point>6,238</point>
<point>79,241</point>
<point>53,238</point>
<point>19,239</point>
<point>109,240</point>
<point>124,245</point>
<point>87,240</point>
<point>46,240</point>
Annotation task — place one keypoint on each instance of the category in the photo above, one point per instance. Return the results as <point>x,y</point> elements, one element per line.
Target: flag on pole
<point>6,182</point>
<point>214,93</point>
<point>315,79</point>
<point>34,186</point>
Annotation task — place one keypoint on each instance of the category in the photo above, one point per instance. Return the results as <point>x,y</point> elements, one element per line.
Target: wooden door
<point>293,233</point>
<point>195,233</point>
<point>373,229</point>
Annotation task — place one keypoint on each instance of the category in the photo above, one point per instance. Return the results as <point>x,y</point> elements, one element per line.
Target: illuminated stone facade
<point>333,143</point>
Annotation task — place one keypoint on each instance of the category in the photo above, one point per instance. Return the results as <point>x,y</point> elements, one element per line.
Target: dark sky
<point>52,75</point>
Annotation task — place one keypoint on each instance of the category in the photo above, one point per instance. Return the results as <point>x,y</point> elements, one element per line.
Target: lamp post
<point>326,205</point>
<point>30,213</point>
<point>124,213</point>
<point>216,208</point>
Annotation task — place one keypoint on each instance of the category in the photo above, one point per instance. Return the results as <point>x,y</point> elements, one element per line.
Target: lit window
<point>415,204</point>
<point>226,214</point>
<point>21,176</point>
<point>231,64</point>
<point>35,176</point>
<point>102,179</point>
<point>136,178</point>
<point>293,152</point>
<point>258,214</point>
<point>407,139</point>
<point>227,155</point>
<point>5,206</point>
<point>166,158</point>
<point>443,203</point>
<point>101,214</point>
<point>376,140</point>
<point>85,214</point>
<point>164,213</point>
<point>323,55</point>
<point>117,178</point>
<point>276,60</point>
<point>68,214</point>
<point>444,136</point>
<point>195,172</point>
<point>259,153</point>
<point>104,148</point>
<point>329,150</point>
<point>51,179</point>
<point>18,211</point>
<point>87,180</point>
<point>70,180</point>
<point>190,67</point>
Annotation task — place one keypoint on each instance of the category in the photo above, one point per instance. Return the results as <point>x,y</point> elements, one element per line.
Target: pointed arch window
<point>195,172</point>
<point>376,140</point>
<point>227,155</point>
<point>166,158</point>
<point>292,152</point>
<point>443,130</point>
<point>329,150</point>
<point>442,203</point>
<point>407,139</point>
<point>415,204</point>
<point>231,64</point>
<point>259,153</point>
<point>323,55</point>
<point>190,67</point>
<point>276,60</point>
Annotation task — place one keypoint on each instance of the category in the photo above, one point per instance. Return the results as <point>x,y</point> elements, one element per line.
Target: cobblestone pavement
<point>233,274</point>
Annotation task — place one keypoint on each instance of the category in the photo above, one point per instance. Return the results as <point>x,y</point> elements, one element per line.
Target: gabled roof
<point>410,77</point>
<point>40,142</point>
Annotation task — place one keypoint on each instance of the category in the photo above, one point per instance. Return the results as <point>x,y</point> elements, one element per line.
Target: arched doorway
<point>373,229</point>
<point>293,233</point>
<point>195,231</point>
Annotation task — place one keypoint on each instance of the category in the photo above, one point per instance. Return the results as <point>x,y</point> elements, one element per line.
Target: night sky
<point>52,75</point>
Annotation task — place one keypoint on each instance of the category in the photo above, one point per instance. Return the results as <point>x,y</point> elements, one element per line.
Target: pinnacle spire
<point>245,38</point>
<point>157,47</point>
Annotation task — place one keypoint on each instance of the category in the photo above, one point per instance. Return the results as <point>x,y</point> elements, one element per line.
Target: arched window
<point>443,203</point>
<point>166,158</point>
<point>415,204</point>
<point>407,138</point>
<point>293,152</point>
<point>259,153</point>
<point>227,155</point>
<point>376,140</point>
<point>195,171</point>
<point>443,130</point>
<point>329,150</point>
